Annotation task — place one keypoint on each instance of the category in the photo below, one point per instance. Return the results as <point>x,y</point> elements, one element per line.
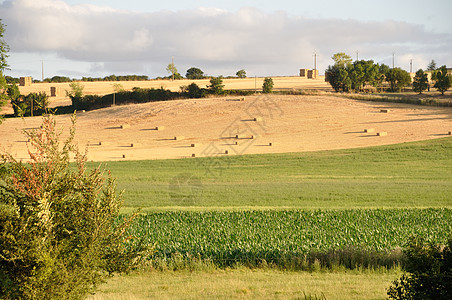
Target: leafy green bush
<point>33,104</point>
<point>193,91</point>
<point>216,85</point>
<point>267,87</point>
<point>430,272</point>
<point>59,232</point>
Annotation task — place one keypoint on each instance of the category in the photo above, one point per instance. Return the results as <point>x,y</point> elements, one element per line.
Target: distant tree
<point>443,80</point>
<point>171,68</point>
<point>338,77</point>
<point>11,80</point>
<point>357,75</point>
<point>57,79</point>
<point>342,59</point>
<point>420,81</point>
<point>194,73</point>
<point>241,74</point>
<point>76,90</point>
<point>398,78</point>
<point>267,87</point>
<point>117,87</point>
<point>431,66</point>
<point>384,69</point>
<point>216,85</point>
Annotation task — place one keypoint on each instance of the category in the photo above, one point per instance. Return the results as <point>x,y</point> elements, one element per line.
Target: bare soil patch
<point>217,125</point>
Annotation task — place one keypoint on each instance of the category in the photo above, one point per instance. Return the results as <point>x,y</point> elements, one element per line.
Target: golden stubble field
<point>107,87</point>
<point>225,126</point>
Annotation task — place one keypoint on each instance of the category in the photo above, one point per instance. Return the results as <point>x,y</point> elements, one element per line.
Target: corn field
<point>291,239</point>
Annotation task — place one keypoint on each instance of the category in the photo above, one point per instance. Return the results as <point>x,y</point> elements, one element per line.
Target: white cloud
<point>218,41</point>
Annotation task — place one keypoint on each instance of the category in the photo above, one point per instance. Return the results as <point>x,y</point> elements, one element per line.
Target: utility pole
<point>411,65</point>
<point>393,60</point>
<point>315,60</point>
<point>357,55</point>
<point>255,84</point>
<point>42,70</point>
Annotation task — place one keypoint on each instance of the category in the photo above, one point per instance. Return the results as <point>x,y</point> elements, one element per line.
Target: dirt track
<point>290,123</point>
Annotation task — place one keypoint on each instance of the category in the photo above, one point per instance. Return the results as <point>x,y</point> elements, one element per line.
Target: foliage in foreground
<point>59,233</point>
<point>429,268</point>
<point>33,104</point>
<point>289,239</point>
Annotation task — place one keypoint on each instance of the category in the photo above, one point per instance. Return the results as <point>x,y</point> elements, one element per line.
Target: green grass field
<point>409,175</point>
<point>229,227</point>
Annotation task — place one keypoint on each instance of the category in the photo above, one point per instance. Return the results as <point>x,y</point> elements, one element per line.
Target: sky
<point>79,38</point>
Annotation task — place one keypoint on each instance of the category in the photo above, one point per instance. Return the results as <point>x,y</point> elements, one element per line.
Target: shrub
<point>216,85</point>
<point>194,91</point>
<point>59,232</point>
<point>430,268</point>
<point>33,104</point>
<point>267,87</point>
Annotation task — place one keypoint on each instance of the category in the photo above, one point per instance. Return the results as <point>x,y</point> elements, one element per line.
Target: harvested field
<point>107,87</point>
<point>291,123</point>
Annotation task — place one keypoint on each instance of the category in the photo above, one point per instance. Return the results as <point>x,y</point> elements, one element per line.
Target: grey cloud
<point>222,41</point>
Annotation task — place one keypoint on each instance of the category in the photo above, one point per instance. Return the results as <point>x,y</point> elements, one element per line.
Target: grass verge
<point>245,283</point>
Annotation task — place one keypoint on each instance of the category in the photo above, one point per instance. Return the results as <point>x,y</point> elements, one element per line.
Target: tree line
<point>348,76</point>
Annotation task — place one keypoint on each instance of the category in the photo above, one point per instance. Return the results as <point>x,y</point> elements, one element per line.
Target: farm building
<point>25,81</point>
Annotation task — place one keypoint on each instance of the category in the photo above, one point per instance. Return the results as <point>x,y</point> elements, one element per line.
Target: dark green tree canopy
<point>241,74</point>
<point>194,73</point>
<point>398,78</point>
<point>420,81</point>
<point>443,80</point>
<point>345,76</point>
<point>216,85</point>
<point>267,87</point>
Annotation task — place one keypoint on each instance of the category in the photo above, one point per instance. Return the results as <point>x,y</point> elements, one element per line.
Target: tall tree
<point>431,66</point>
<point>443,80</point>
<point>4,49</point>
<point>171,68</point>
<point>420,81</point>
